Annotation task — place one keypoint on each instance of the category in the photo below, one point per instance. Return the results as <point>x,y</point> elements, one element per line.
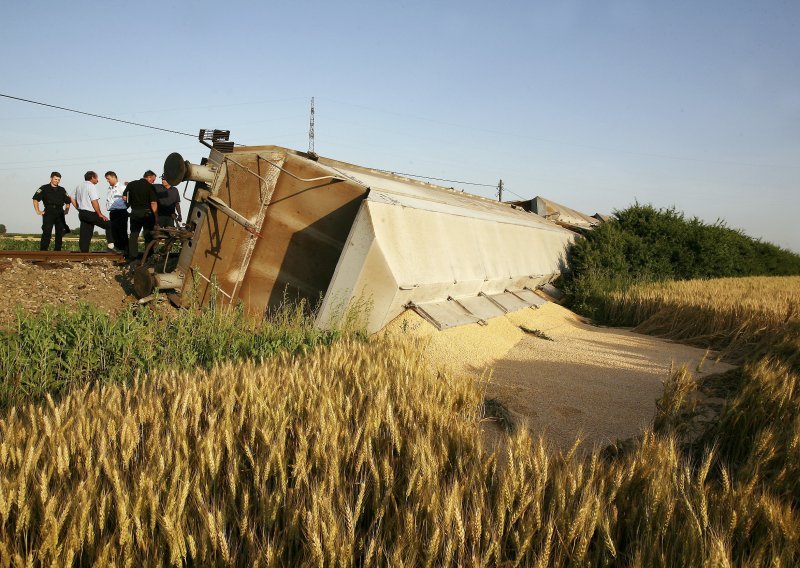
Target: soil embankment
<point>31,286</point>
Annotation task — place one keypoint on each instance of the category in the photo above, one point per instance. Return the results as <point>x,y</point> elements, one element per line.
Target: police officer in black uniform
<point>56,206</point>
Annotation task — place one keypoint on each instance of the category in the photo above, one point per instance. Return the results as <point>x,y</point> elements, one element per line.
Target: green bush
<point>642,243</point>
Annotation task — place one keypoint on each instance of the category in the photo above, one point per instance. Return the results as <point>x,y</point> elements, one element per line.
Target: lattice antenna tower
<point>311,131</point>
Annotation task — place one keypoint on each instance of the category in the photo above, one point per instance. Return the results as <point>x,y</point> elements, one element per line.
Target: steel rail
<point>49,255</point>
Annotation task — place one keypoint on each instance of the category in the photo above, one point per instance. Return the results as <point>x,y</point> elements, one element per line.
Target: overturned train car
<point>269,224</point>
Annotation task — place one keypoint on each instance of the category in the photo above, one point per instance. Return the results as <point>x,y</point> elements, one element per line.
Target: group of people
<point>151,205</point>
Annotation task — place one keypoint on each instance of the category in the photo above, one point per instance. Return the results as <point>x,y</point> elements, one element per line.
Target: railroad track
<point>60,256</point>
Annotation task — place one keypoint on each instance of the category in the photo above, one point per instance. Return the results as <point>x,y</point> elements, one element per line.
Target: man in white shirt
<point>87,201</point>
<point>117,212</point>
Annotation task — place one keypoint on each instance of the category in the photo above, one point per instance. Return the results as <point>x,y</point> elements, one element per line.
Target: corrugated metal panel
<point>529,296</point>
<point>444,314</point>
<point>482,307</point>
<point>461,311</point>
<point>509,302</point>
<point>552,291</point>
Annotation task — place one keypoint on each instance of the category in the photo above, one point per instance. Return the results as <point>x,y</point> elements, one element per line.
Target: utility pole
<point>500,191</point>
<point>311,132</point>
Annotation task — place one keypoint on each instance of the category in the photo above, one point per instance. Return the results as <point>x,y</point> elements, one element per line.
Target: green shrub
<point>643,244</point>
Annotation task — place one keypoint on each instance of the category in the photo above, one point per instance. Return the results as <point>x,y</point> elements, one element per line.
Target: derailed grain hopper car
<point>269,224</point>
<point>560,214</point>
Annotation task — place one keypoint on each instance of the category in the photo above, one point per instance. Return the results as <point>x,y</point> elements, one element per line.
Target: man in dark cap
<point>56,205</point>
<point>140,196</point>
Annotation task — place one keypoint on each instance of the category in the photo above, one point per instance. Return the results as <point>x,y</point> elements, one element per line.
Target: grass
<point>59,347</point>
<point>357,454</point>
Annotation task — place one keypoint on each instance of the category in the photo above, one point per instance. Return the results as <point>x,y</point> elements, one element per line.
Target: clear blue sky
<point>591,104</point>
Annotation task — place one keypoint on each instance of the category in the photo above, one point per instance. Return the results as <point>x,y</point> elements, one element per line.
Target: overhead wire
<point>494,186</point>
<point>74,161</point>
<point>514,194</point>
<point>141,125</point>
<point>439,179</point>
<point>98,115</point>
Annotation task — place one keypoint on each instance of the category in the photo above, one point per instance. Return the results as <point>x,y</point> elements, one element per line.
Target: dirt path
<point>597,383</point>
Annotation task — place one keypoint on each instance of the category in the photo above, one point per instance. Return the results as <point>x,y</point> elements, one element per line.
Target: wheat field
<point>358,455</point>
<point>741,316</point>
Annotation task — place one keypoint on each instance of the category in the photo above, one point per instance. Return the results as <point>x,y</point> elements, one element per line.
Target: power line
<point>493,186</point>
<point>440,179</point>
<point>505,189</point>
<point>311,138</point>
<point>98,116</point>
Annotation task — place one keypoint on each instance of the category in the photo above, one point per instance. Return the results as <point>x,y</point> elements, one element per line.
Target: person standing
<point>117,212</point>
<point>87,201</point>
<point>56,205</point>
<point>169,204</point>
<point>143,203</point>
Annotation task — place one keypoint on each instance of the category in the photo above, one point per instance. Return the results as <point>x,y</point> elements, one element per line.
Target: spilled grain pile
<point>556,373</point>
<point>469,348</point>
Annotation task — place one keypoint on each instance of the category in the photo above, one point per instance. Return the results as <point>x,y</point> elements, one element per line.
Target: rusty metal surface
<point>217,256</point>
<point>303,223</point>
<point>45,256</point>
